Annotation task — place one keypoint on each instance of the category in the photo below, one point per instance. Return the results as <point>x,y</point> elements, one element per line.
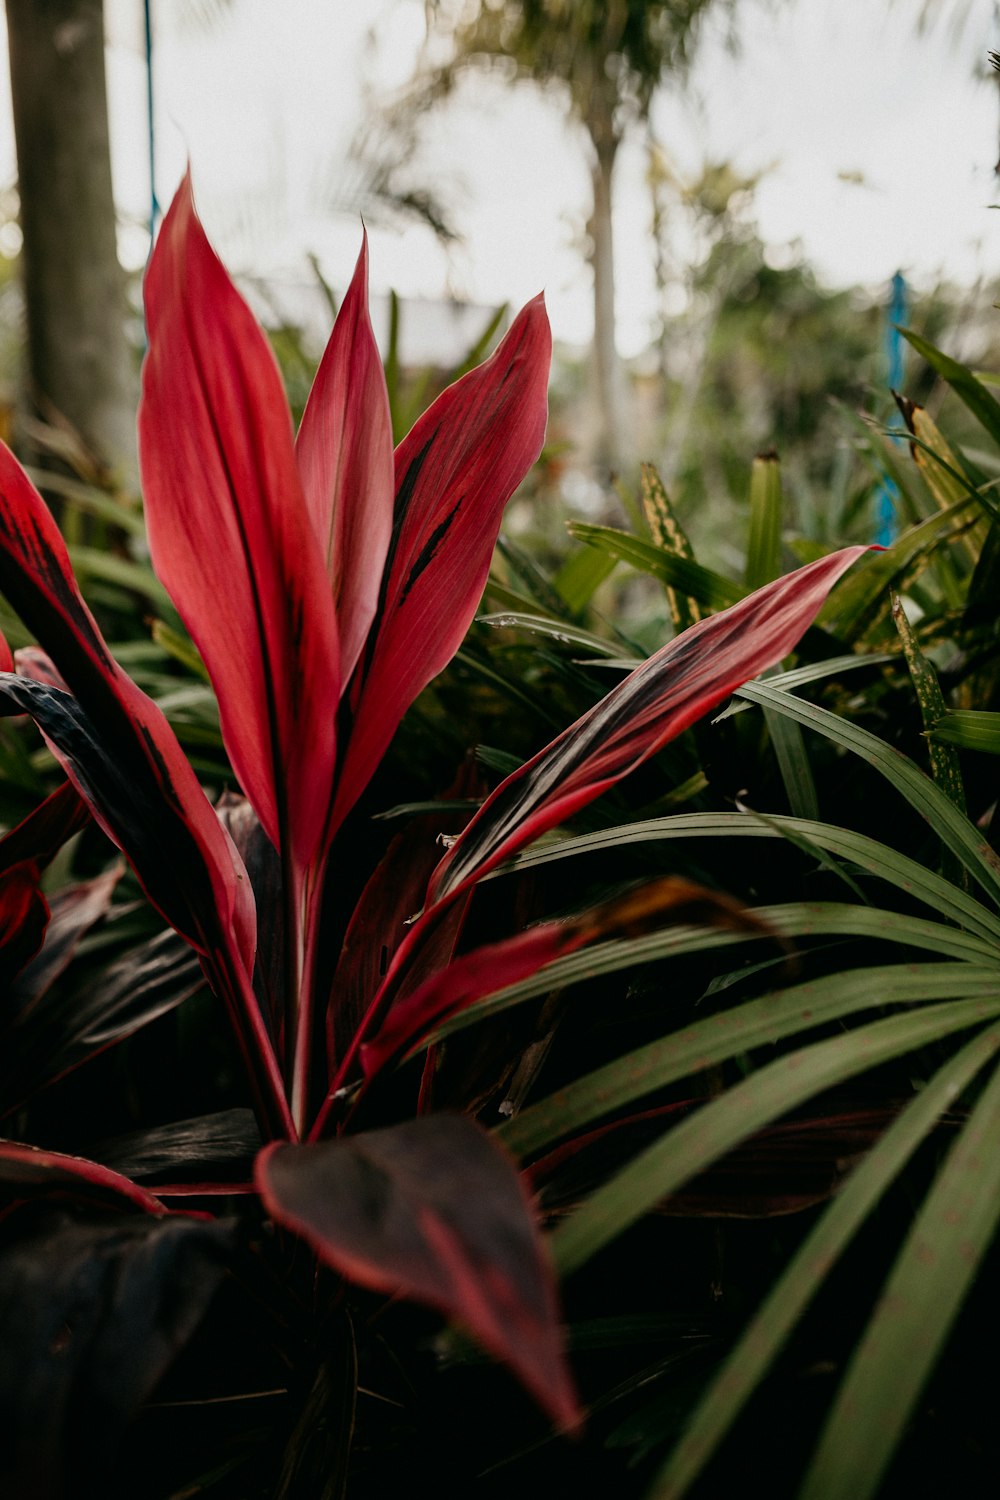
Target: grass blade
<point>875,858</point>
<point>954,830</point>
<point>767,1333</point>
<point>969,729</point>
<point>918,1306</point>
<point>755,1023</point>
<point>677,572</point>
<point>746,1108</point>
<point>764,545</point>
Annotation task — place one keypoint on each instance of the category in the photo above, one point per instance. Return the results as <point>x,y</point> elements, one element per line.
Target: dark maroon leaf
<point>24,913</point>
<point>29,1170</point>
<point>93,1309</point>
<point>393,896</point>
<point>159,845</point>
<point>782,1170</point>
<point>221,1145</point>
<point>43,832</point>
<point>435,1211</point>
<point>62,1031</point>
<point>72,913</point>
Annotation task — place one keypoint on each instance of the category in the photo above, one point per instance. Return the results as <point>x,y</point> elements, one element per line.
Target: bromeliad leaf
<point>434,1210</point>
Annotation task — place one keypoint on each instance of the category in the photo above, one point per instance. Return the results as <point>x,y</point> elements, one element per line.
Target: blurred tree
<point>79,360</point>
<point>607,57</point>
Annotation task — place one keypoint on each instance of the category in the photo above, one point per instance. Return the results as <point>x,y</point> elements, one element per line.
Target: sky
<point>877,145</point>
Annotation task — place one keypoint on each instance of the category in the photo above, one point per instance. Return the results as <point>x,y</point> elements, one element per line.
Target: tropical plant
<point>897,955</point>
<point>324,583</point>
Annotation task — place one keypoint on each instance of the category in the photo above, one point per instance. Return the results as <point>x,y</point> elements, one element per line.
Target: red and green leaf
<point>485,970</point>
<point>435,1211</point>
<point>677,685</point>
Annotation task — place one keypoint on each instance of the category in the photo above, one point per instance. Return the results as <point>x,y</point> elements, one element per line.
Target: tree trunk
<point>609,383</point>
<point>79,359</point>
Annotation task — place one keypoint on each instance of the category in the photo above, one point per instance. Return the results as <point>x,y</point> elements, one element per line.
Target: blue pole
<point>898,312</point>
<point>154,207</point>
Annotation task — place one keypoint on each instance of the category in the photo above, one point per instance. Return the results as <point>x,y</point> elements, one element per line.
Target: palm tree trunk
<point>610,438</point>
<point>80,363</point>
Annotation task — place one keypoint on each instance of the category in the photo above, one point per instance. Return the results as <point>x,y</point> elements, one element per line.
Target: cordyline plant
<point>325,580</point>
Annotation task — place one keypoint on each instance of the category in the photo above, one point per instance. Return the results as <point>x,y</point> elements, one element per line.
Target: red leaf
<point>493,967</point>
<point>344,452</point>
<point>24,916</point>
<point>230,535</point>
<point>43,832</point>
<point>28,1167</point>
<point>685,679</point>
<point>120,753</point>
<point>381,920</point>
<point>36,576</point>
<point>455,472</point>
<point>435,1211</point>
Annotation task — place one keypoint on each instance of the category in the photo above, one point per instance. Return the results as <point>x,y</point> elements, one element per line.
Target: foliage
<point>896,954</point>
<point>324,583</point>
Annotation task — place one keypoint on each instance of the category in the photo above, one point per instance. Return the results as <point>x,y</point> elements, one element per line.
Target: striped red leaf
<point>344,452</point>
<point>230,535</point>
<point>455,472</point>
<point>207,883</point>
<point>685,679</point>
<point>433,1210</point>
<point>485,970</point>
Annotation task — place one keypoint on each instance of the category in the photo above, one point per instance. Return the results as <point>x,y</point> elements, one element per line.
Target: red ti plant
<point>326,580</point>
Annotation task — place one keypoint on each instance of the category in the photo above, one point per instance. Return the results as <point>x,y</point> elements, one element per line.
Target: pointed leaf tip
<point>345,458</point>
<point>433,1210</point>
<point>454,473</point>
<point>229,532</point>
<point>677,685</point>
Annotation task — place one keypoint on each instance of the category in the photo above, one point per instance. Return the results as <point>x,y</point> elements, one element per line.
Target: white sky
<point>266,101</point>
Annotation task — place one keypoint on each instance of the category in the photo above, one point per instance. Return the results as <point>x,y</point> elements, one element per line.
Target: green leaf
<point>747,1107</point>
<point>945,768</point>
<point>680,573</point>
<point>764,545</point>
<point>769,1329</point>
<point>176,644</point>
<point>580,576</point>
<point>793,762</point>
<point>877,859</point>
<point>969,729</point>
<point>91,562</point>
<point>954,830</point>
<point>859,600</point>
<point>556,630</point>
<point>917,1308</point>
<point>754,1023</point>
<point>962,381</point>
